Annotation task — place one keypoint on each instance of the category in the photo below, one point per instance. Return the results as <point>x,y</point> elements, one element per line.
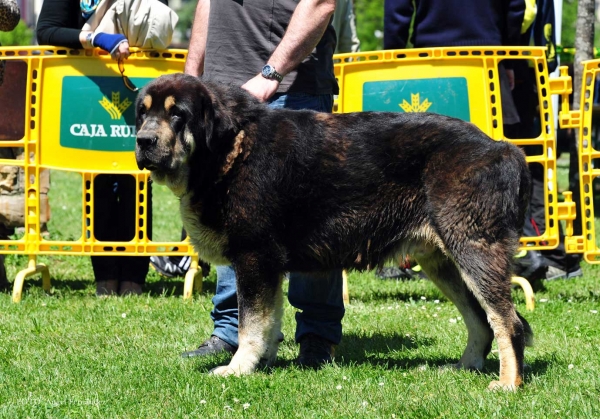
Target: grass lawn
<point>70,354</point>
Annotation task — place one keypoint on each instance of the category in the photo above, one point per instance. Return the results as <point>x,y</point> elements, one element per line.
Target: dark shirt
<point>243,35</point>
<point>441,23</point>
<point>60,23</point>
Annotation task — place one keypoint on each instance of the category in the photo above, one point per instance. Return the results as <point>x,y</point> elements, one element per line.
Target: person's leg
<point>224,337</point>
<point>318,297</point>
<point>133,269</point>
<point>560,264</point>
<point>106,268</point>
<point>5,233</point>
<point>225,311</point>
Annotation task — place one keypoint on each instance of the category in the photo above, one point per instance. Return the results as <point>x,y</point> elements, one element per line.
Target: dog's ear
<point>218,123</point>
<point>208,115</point>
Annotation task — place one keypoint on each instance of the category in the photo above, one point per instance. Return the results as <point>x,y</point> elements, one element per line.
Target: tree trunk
<point>584,50</point>
<point>584,44</point>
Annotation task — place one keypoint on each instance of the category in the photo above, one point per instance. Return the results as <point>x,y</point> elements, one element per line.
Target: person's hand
<point>115,44</point>
<point>261,88</point>
<point>122,51</point>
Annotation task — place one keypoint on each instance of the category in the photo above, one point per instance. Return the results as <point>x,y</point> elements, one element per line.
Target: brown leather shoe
<point>130,288</point>
<point>106,288</point>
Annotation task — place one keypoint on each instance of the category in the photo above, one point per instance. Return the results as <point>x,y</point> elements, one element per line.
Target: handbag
<point>147,24</point>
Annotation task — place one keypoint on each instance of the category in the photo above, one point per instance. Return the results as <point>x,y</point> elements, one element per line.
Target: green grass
<point>72,355</point>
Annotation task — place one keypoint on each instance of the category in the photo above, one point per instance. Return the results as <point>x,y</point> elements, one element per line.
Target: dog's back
<point>338,178</point>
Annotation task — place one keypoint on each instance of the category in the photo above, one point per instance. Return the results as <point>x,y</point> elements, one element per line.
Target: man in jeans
<point>282,53</point>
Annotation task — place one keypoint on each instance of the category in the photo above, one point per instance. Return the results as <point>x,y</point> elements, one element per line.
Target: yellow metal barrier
<point>463,83</point>
<point>460,82</point>
<point>80,117</point>
<point>78,103</point>
<point>582,120</point>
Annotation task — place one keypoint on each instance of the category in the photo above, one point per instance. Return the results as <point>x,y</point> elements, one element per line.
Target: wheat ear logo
<point>416,105</point>
<point>116,108</point>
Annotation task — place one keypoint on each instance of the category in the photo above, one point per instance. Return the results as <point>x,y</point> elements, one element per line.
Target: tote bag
<point>147,24</point>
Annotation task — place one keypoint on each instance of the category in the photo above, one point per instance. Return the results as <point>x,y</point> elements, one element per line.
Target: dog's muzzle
<point>144,145</point>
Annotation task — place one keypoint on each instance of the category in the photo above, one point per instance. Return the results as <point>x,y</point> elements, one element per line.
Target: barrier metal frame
<point>376,65</point>
<point>482,60</point>
<point>581,120</point>
<point>40,61</point>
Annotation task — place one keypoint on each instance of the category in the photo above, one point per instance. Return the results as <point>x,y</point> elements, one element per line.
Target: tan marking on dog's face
<point>165,136</point>
<point>169,145</point>
<point>322,116</point>
<point>147,102</point>
<point>169,102</point>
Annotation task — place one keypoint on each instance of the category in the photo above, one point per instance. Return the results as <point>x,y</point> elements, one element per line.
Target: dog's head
<point>175,119</point>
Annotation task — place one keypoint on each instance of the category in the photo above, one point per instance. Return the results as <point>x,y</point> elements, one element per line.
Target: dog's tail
<point>527,331</point>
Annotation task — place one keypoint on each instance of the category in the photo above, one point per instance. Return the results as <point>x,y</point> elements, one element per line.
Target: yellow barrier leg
<point>529,295</point>
<point>32,269</point>
<point>345,292</point>
<point>193,279</point>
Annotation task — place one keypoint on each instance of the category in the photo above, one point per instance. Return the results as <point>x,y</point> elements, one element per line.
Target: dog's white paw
<point>223,371</point>
<point>499,385</point>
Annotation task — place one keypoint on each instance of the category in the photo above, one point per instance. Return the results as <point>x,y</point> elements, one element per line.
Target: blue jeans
<point>318,299</point>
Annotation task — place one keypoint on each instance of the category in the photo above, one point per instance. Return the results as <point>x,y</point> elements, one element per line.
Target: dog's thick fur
<point>270,191</point>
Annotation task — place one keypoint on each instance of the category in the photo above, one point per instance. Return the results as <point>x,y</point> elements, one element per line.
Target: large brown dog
<point>270,191</point>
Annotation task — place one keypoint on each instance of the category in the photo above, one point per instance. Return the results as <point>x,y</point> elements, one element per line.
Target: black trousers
<point>115,218</point>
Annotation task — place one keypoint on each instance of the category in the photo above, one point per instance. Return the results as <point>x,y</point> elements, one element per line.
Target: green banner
<point>444,95</point>
<point>98,113</point>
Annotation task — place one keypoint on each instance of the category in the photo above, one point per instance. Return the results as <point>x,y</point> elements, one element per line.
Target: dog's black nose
<point>146,139</point>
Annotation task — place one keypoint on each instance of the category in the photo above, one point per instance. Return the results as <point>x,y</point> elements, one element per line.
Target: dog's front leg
<point>260,302</point>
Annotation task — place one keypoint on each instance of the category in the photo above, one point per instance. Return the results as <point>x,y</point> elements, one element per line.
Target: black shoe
<point>170,266</point>
<point>415,272</point>
<point>5,286</point>
<point>532,266</point>
<point>314,351</point>
<point>557,273</point>
<point>205,267</point>
<point>394,272</point>
<point>391,272</point>
<point>212,346</point>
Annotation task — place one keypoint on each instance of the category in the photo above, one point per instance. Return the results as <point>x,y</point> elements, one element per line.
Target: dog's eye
<point>176,117</point>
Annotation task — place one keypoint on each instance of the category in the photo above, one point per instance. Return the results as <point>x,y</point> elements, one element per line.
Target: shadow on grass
<point>155,286</point>
<point>390,353</point>
<point>158,285</point>
<point>174,286</point>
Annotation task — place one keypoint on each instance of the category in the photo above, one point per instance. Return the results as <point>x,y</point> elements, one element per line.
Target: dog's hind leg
<point>445,275</point>
<point>485,268</point>
<point>260,301</point>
